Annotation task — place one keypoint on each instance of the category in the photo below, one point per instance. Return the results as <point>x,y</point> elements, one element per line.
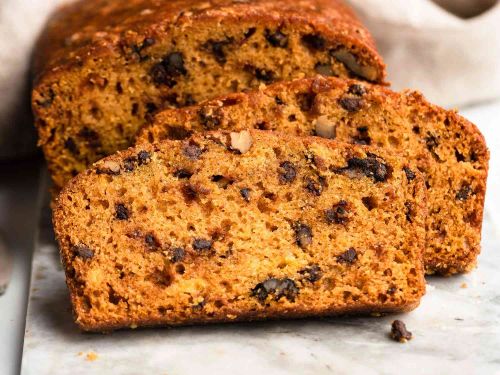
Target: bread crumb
<point>399,332</point>
<point>91,356</point>
<point>463,285</point>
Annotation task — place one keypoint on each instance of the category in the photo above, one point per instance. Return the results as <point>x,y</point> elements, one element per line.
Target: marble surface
<point>18,218</point>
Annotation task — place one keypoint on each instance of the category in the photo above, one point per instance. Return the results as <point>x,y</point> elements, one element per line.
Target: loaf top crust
<point>447,148</point>
<point>240,226</point>
<point>93,29</point>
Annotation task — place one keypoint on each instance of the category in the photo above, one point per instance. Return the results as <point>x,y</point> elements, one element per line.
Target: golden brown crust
<point>103,67</point>
<point>109,273</point>
<point>91,29</point>
<point>449,149</point>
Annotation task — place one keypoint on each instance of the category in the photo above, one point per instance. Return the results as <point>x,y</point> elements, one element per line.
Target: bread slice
<point>448,149</point>
<point>241,226</point>
<point>103,66</point>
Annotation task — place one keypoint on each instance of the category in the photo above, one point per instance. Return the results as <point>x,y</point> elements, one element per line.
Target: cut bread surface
<point>241,226</point>
<point>448,149</point>
<point>103,67</point>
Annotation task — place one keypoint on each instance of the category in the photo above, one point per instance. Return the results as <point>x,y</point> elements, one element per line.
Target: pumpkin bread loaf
<point>103,66</point>
<point>241,226</point>
<point>448,149</point>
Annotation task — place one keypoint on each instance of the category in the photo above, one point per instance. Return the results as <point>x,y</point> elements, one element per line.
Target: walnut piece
<point>351,62</point>
<point>113,166</point>
<point>324,127</point>
<point>241,141</point>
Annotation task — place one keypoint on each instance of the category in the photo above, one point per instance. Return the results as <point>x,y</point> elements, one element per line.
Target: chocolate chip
<point>276,38</point>
<point>177,132</point>
<point>121,212</point>
<point>192,151</point>
<point>312,273</point>
<point>151,107</point>
<point>409,212</point>
<point>372,167</point>
<point>278,100</point>
<point>351,104</point>
<point>82,251</point>
<point>338,214</point>
<point>210,118</point>
<point>114,297</point>
<point>222,181</point>
<point>218,48</point>
<point>170,67</point>
<point>305,101</point>
<point>245,193</point>
<point>410,175</point>
<point>129,163</point>
<point>369,202</point>
<point>431,142</point>
<point>399,331</point>
<point>183,174</point>
<point>264,75</point>
<point>138,50</point>
<point>284,287</point>
<point>189,192</point>
<point>287,172</point>
<point>356,89</point>
<point>147,42</point>
<point>159,76</point>
<point>459,156</point>
<point>249,32</point>
<point>303,234</point>
<point>70,145</point>
<point>313,41</point>
<point>199,306</point>
<point>348,257</point>
<point>201,244</point>
<point>464,192</point>
<point>143,157</point>
<point>90,136</point>
<point>362,138</point>
<point>315,187</point>
<point>151,241</point>
<point>178,254</point>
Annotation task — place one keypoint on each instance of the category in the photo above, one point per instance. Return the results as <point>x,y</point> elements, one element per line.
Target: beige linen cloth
<point>450,52</point>
<point>447,49</point>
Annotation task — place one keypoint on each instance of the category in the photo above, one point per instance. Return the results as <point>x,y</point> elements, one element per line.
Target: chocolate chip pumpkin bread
<point>103,66</point>
<point>447,148</point>
<point>241,226</point>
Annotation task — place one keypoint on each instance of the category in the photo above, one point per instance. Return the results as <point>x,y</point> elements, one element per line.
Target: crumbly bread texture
<point>241,226</point>
<point>448,149</point>
<point>103,66</point>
